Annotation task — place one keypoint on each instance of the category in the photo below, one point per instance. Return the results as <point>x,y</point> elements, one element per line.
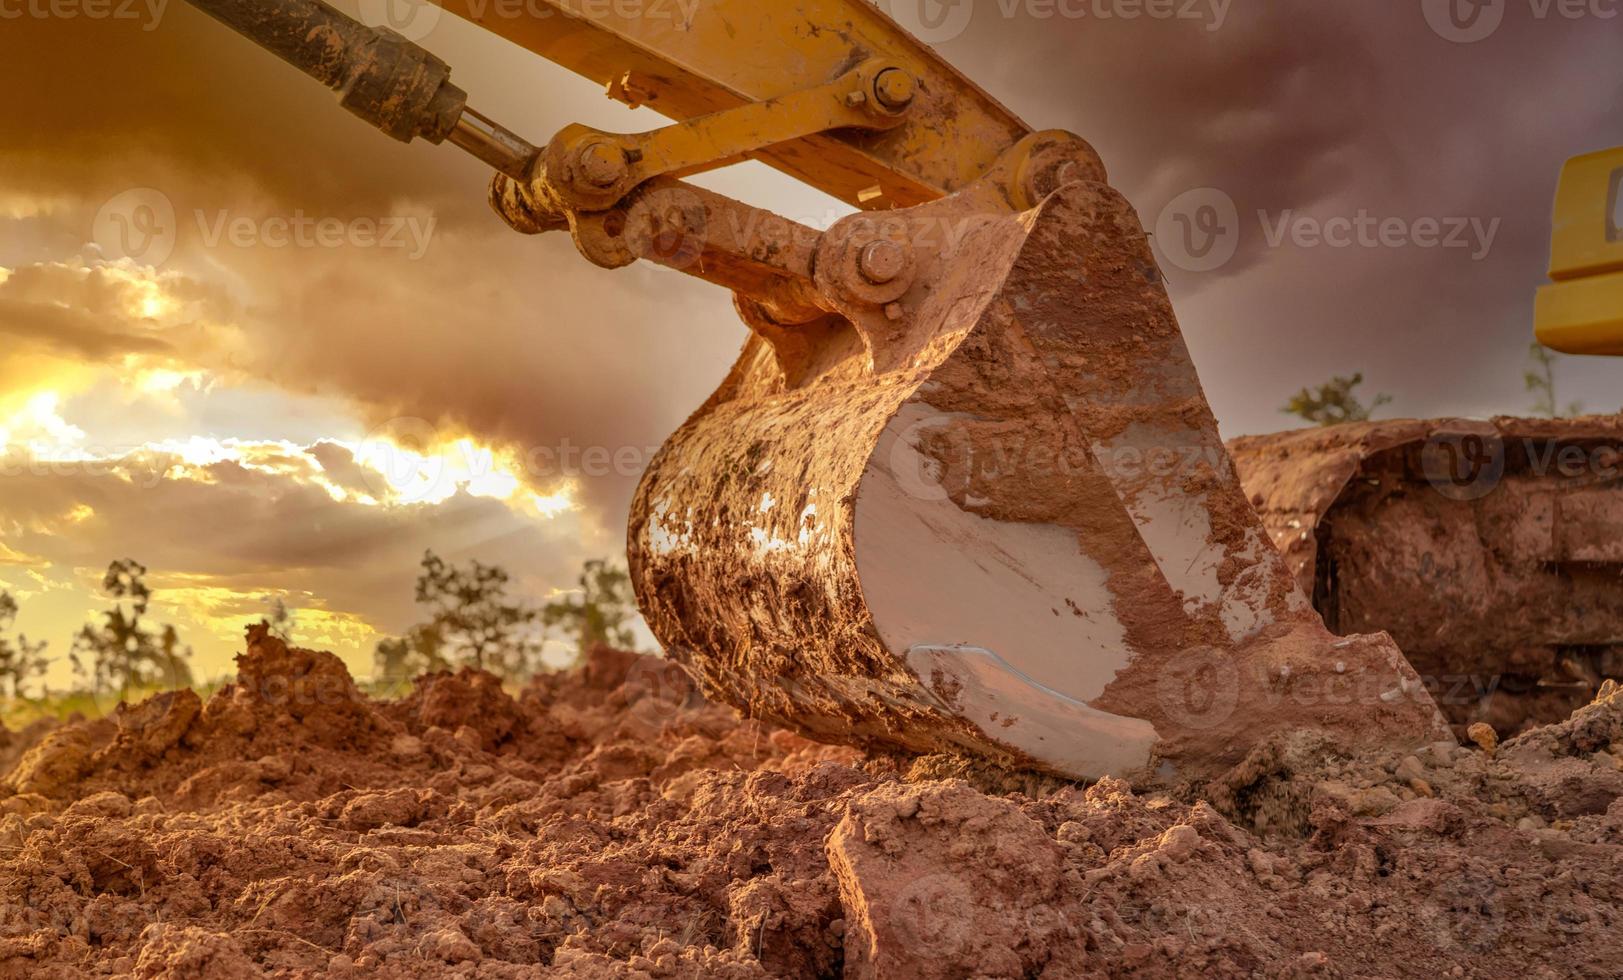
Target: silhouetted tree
<point>472,621</point>
<point>1334,402</point>
<point>420,651</point>
<point>600,613</point>
<point>19,659</point>
<point>280,619</point>
<point>1539,379</point>
<point>122,654</point>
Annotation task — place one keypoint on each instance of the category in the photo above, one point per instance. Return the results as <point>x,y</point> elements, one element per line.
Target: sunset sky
<point>225,403</point>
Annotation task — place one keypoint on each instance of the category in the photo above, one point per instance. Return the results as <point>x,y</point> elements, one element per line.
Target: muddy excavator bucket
<point>1002,523</point>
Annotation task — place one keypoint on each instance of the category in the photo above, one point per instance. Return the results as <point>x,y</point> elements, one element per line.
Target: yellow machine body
<point>1581,311</point>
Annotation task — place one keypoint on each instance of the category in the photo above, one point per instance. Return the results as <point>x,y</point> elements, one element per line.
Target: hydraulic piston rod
<point>392,83</point>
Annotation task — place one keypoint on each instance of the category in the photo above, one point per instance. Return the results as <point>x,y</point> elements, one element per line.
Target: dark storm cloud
<point>1289,109</point>
<point>1304,113</point>
<point>340,467</point>
<point>1267,103</point>
<point>516,340</point>
<point>244,528</point>
<point>71,331</point>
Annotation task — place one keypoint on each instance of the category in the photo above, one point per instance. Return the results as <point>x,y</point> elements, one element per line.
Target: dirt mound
<point>13,744</point>
<point>611,823</point>
<point>292,717</point>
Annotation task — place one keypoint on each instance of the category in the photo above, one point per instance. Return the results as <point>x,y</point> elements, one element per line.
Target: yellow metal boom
<point>686,59</point>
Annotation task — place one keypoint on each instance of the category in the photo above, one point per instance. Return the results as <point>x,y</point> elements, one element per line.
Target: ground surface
<point>608,823</point>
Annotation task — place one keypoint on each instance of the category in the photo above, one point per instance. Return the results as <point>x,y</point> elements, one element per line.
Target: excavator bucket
<point>1008,526</point>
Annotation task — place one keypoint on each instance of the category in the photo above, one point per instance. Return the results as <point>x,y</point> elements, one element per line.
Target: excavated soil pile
<point>609,823</point>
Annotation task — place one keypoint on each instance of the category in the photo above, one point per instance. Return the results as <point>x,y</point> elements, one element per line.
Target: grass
<point>19,712</point>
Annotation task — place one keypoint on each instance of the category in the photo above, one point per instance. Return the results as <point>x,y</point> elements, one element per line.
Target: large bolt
<point>882,261</point>
<point>894,88</point>
<point>602,163</point>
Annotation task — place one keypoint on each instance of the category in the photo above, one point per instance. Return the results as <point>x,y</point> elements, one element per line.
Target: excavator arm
<point>687,59</point>
<point>962,490</point>
<point>715,66</point>
<point>829,91</point>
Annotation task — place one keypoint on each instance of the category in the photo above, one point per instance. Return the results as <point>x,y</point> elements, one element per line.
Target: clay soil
<point>610,823</point>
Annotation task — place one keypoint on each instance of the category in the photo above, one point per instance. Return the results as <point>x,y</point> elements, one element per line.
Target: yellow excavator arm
<point>1581,311</point>
<point>830,91</point>
<point>686,60</point>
